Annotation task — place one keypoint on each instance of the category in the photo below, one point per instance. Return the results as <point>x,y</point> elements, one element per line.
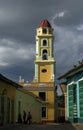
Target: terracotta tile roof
<point>44,23</point>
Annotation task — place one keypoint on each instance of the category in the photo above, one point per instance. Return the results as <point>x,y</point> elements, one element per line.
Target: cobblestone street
<point>43,127</point>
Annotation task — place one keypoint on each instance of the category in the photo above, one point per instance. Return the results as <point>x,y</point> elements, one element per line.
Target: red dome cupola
<point>45,23</point>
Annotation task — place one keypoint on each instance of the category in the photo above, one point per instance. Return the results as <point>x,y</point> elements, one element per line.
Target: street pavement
<point>50,126</point>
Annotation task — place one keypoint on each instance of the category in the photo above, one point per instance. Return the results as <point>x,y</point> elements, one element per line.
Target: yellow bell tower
<point>44,63</point>
<point>43,84</point>
<point>45,71</point>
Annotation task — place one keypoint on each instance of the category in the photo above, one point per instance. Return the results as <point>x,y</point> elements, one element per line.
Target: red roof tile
<point>44,23</point>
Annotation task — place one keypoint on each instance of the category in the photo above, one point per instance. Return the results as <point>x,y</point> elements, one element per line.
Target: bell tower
<point>43,84</point>
<point>44,63</point>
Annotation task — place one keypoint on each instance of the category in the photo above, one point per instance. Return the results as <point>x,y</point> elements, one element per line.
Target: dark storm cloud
<point>20,18</point>
<point>25,70</point>
<point>18,22</point>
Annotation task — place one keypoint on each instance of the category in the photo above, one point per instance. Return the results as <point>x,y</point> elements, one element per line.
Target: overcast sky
<point>19,20</point>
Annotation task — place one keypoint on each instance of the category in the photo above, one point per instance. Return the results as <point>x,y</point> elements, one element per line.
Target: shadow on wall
<point>61,119</point>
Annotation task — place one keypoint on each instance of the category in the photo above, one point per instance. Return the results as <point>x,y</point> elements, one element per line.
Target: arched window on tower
<point>44,31</point>
<point>44,54</point>
<point>44,43</point>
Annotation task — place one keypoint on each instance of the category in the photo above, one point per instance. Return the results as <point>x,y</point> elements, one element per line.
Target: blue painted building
<point>74,92</point>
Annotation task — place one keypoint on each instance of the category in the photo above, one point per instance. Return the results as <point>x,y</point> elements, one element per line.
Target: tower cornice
<point>50,35</point>
<point>44,61</point>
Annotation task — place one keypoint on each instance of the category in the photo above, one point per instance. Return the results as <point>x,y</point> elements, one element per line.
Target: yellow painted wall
<point>45,77</point>
<point>10,89</point>
<point>28,103</point>
<point>10,92</point>
<point>49,105</point>
<point>50,98</point>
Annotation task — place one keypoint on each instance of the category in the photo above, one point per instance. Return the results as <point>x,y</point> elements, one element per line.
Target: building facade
<point>43,84</point>
<point>63,88</point>
<point>61,108</point>
<point>14,100</point>
<point>27,102</point>
<point>74,92</point>
<point>7,100</point>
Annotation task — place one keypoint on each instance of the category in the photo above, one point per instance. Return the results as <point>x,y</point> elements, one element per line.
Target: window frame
<point>44,42</point>
<point>45,112</point>
<point>44,31</point>
<point>45,95</point>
